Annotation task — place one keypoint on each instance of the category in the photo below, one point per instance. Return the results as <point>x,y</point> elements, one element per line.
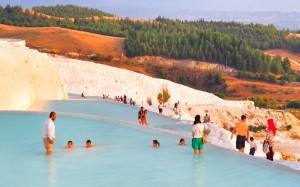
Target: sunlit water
<point>122,154</point>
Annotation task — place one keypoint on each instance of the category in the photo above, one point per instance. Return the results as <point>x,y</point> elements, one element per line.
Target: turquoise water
<point>122,154</point>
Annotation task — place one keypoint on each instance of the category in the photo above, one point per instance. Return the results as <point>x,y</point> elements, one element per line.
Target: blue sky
<point>153,8</point>
<point>238,10</point>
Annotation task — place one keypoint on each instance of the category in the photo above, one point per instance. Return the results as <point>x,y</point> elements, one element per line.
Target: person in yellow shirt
<point>242,134</point>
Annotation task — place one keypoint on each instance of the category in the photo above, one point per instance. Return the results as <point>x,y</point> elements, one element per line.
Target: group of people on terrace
<point>123,99</point>
<point>199,133</point>
<point>242,130</point>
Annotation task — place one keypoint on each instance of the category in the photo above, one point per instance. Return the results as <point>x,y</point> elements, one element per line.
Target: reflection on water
<point>199,167</point>
<point>50,164</point>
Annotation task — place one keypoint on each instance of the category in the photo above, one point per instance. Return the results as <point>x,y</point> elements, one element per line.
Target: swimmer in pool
<point>70,144</point>
<point>181,141</point>
<point>89,144</point>
<point>155,144</point>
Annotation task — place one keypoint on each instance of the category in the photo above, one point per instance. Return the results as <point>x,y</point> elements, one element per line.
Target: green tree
<point>164,95</point>
<point>293,104</point>
<point>182,79</point>
<point>287,65</point>
<point>277,65</point>
<point>218,78</point>
<point>210,75</point>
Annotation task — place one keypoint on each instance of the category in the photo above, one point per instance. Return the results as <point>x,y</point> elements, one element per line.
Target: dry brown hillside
<point>72,43</point>
<point>242,89</point>
<point>78,44</point>
<point>65,41</point>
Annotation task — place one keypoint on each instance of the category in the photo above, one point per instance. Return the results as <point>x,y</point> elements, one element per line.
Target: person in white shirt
<point>49,133</point>
<point>197,133</point>
<point>253,146</point>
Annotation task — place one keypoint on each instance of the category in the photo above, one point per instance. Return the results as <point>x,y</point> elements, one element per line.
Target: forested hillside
<point>229,43</point>
<point>69,11</point>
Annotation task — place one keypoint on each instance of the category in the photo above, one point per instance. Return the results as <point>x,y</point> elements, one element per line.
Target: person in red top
<point>270,133</point>
<point>242,134</point>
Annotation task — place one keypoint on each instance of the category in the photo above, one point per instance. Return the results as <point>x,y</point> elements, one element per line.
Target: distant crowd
<point>123,99</point>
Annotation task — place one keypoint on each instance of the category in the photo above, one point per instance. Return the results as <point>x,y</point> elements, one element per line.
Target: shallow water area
<point>121,154</point>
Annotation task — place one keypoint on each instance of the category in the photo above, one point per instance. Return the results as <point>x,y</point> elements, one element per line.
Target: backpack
<point>266,147</point>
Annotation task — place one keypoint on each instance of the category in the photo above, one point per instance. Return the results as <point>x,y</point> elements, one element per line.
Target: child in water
<point>70,144</point>
<point>89,144</point>
<point>252,146</point>
<point>144,118</point>
<point>182,141</point>
<point>155,144</point>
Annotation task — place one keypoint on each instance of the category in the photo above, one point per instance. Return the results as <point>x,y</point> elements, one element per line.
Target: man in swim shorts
<point>49,133</point>
<point>242,134</point>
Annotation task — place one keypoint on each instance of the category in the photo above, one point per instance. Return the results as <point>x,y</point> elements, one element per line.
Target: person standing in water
<point>144,118</point>
<point>140,113</point>
<point>49,133</point>
<point>197,134</point>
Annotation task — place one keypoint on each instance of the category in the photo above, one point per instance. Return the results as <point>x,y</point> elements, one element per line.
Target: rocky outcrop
<point>290,157</point>
<point>25,76</point>
<point>97,79</point>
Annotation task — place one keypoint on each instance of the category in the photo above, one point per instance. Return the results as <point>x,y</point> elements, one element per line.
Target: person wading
<point>197,134</point>
<point>49,133</point>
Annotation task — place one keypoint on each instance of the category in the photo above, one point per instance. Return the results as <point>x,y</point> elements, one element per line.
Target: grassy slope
<point>62,41</point>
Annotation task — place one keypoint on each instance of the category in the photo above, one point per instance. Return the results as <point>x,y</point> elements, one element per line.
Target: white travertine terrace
<point>26,76</point>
